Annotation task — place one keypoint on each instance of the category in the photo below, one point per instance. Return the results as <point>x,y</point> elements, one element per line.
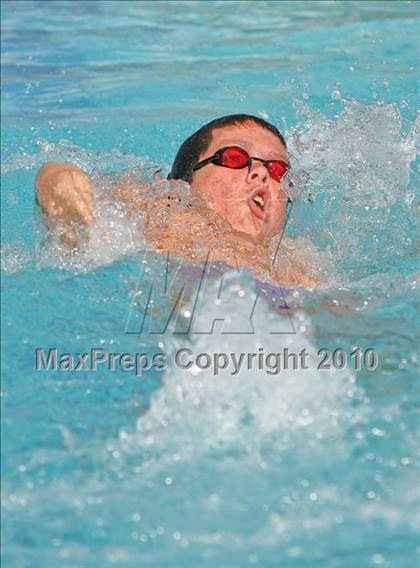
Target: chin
<point>260,234</point>
<point>257,237</point>
<point>263,238</point>
<point>265,235</point>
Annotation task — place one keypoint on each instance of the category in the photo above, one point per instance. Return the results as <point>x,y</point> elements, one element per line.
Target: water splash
<point>196,413</point>
<point>353,188</point>
<point>359,199</point>
<point>88,160</point>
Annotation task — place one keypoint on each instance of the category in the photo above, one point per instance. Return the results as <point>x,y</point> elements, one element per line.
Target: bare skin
<point>64,193</point>
<point>221,207</point>
<point>230,190</point>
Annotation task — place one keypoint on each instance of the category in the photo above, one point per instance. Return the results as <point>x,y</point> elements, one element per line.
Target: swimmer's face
<point>231,192</point>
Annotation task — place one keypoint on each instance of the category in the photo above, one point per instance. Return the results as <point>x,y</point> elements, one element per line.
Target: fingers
<point>78,207</point>
<point>83,184</point>
<point>83,213</point>
<point>73,199</point>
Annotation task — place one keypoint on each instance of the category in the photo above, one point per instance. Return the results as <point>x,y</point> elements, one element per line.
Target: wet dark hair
<point>190,150</point>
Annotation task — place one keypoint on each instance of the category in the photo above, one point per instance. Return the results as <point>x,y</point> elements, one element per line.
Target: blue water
<point>175,468</point>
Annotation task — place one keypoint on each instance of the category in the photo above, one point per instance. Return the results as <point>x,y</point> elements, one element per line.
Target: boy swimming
<point>234,204</point>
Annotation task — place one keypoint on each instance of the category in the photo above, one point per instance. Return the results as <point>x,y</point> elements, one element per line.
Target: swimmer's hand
<point>64,193</point>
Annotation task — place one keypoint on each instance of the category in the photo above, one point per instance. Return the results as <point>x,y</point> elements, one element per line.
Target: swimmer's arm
<point>164,216</point>
<point>131,194</point>
<point>134,194</point>
<point>64,194</point>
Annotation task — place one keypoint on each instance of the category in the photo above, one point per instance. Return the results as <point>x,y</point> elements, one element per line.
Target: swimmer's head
<point>193,147</point>
<point>250,199</point>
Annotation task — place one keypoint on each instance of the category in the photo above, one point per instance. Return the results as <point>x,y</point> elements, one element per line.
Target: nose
<point>257,171</point>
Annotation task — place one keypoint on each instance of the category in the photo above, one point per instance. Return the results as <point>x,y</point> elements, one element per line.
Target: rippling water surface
<point>184,468</point>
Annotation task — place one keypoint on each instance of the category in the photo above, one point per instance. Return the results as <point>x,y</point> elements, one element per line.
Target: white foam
<point>361,193</point>
<point>196,414</point>
<point>365,152</point>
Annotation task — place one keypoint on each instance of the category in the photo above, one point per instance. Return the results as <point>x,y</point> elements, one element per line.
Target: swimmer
<point>233,166</point>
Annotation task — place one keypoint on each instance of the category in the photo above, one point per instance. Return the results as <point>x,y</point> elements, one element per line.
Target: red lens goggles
<point>236,158</point>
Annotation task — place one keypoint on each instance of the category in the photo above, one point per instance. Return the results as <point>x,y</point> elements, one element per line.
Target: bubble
<point>336,94</point>
<point>14,257</point>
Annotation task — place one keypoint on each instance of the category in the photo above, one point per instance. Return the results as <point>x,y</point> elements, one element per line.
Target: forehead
<point>253,138</point>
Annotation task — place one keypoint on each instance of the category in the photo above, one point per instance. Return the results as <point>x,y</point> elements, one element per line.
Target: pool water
<point>180,467</point>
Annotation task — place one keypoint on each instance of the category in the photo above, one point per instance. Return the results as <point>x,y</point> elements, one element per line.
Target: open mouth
<point>258,203</point>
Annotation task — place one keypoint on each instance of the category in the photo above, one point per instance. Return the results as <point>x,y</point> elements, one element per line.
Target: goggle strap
<point>289,206</point>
